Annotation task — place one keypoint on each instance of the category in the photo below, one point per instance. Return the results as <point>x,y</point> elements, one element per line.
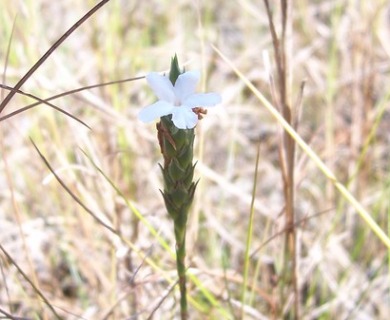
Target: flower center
<point>177,102</point>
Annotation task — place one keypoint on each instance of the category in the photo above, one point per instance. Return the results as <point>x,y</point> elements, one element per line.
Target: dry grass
<point>111,257</point>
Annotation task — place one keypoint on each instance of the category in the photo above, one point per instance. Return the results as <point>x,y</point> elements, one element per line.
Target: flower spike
<point>179,109</point>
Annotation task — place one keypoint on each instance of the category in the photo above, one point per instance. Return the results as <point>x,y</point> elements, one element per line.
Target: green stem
<point>180,234</point>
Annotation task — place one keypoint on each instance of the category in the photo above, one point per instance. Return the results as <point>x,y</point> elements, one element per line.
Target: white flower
<point>178,100</point>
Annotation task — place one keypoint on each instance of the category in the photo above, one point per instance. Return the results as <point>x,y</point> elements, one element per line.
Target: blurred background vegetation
<point>339,49</point>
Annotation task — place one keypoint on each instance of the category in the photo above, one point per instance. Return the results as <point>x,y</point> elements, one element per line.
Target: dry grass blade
<point>40,101</point>
<point>49,52</point>
<point>63,94</point>
<point>25,277</point>
<point>10,316</point>
<point>66,188</point>
<point>170,290</point>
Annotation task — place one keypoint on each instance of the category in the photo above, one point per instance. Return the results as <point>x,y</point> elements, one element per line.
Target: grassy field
<point>272,234</point>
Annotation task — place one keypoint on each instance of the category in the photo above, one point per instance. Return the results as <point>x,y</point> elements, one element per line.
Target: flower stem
<point>181,269</point>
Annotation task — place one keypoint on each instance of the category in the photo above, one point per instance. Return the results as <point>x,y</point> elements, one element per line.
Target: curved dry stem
<point>42,101</point>
<point>25,277</point>
<point>63,94</point>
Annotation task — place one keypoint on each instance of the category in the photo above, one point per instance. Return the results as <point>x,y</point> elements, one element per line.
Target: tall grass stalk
<point>282,52</point>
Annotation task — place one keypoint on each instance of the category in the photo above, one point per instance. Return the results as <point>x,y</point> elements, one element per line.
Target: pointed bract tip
<point>175,71</point>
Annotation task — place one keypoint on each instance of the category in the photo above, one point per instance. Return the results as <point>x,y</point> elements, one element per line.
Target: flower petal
<point>161,86</point>
<point>185,84</point>
<point>184,118</point>
<point>155,110</point>
<point>202,100</point>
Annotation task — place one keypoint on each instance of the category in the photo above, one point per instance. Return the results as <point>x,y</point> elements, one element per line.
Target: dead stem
<point>287,148</point>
